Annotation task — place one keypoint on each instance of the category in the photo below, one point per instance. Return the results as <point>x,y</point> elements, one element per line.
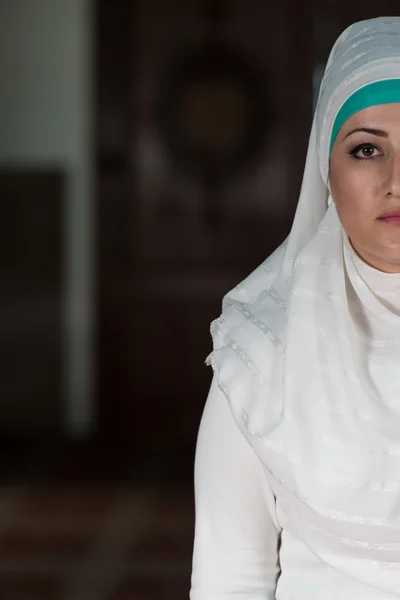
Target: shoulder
<point>248,344</point>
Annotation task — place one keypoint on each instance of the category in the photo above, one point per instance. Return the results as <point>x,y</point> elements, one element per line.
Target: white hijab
<point>308,355</point>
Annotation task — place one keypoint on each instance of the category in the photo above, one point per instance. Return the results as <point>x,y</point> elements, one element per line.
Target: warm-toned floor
<point>97,541</point>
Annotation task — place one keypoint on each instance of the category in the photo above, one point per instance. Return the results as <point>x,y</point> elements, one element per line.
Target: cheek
<point>353,194</point>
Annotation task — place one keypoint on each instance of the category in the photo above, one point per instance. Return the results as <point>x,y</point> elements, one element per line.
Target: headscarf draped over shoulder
<point>268,354</point>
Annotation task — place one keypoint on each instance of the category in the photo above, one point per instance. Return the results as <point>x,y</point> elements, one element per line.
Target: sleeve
<point>236,534</point>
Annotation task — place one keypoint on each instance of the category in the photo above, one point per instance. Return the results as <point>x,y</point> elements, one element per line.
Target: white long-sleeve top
<point>237,532</point>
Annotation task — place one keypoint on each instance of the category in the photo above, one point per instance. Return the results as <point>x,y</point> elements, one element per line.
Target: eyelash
<point>354,151</point>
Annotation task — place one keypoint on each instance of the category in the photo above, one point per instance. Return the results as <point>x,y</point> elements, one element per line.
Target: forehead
<point>382,116</point>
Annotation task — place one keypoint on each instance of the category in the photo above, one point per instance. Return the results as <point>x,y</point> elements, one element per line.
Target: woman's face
<point>364,177</point>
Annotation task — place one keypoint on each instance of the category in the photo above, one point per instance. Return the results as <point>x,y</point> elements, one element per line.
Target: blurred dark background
<point>151,155</point>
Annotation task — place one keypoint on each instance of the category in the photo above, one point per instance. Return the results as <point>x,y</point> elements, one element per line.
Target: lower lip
<point>395,220</point>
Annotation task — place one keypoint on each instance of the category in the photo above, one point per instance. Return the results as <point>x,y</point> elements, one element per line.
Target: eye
<point>365,151</point>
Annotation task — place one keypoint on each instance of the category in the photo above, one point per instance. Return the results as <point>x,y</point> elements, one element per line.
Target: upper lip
<point>390,213</point>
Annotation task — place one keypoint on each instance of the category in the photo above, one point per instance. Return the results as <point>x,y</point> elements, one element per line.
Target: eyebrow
<point>378,132</point>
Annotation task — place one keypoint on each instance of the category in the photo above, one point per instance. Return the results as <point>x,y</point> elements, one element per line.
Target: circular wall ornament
<point>213,112</point>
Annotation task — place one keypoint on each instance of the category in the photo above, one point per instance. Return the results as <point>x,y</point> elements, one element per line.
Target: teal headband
<point>379,92</point>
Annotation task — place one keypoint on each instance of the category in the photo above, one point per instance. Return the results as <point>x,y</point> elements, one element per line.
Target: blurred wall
<point>45,120</point>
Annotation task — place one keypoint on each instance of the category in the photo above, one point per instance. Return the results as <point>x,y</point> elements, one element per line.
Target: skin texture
<point>363,190</point>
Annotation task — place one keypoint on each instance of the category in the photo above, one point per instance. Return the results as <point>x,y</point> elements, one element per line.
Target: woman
<point>298,456</point>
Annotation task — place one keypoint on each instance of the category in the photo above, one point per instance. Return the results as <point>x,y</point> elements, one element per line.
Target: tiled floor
<point>120,542</point>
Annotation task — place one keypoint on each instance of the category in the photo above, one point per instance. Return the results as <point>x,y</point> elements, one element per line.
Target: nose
<point>393,184</point>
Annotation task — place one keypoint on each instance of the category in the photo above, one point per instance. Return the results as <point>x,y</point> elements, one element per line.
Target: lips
<point>392,217</point>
